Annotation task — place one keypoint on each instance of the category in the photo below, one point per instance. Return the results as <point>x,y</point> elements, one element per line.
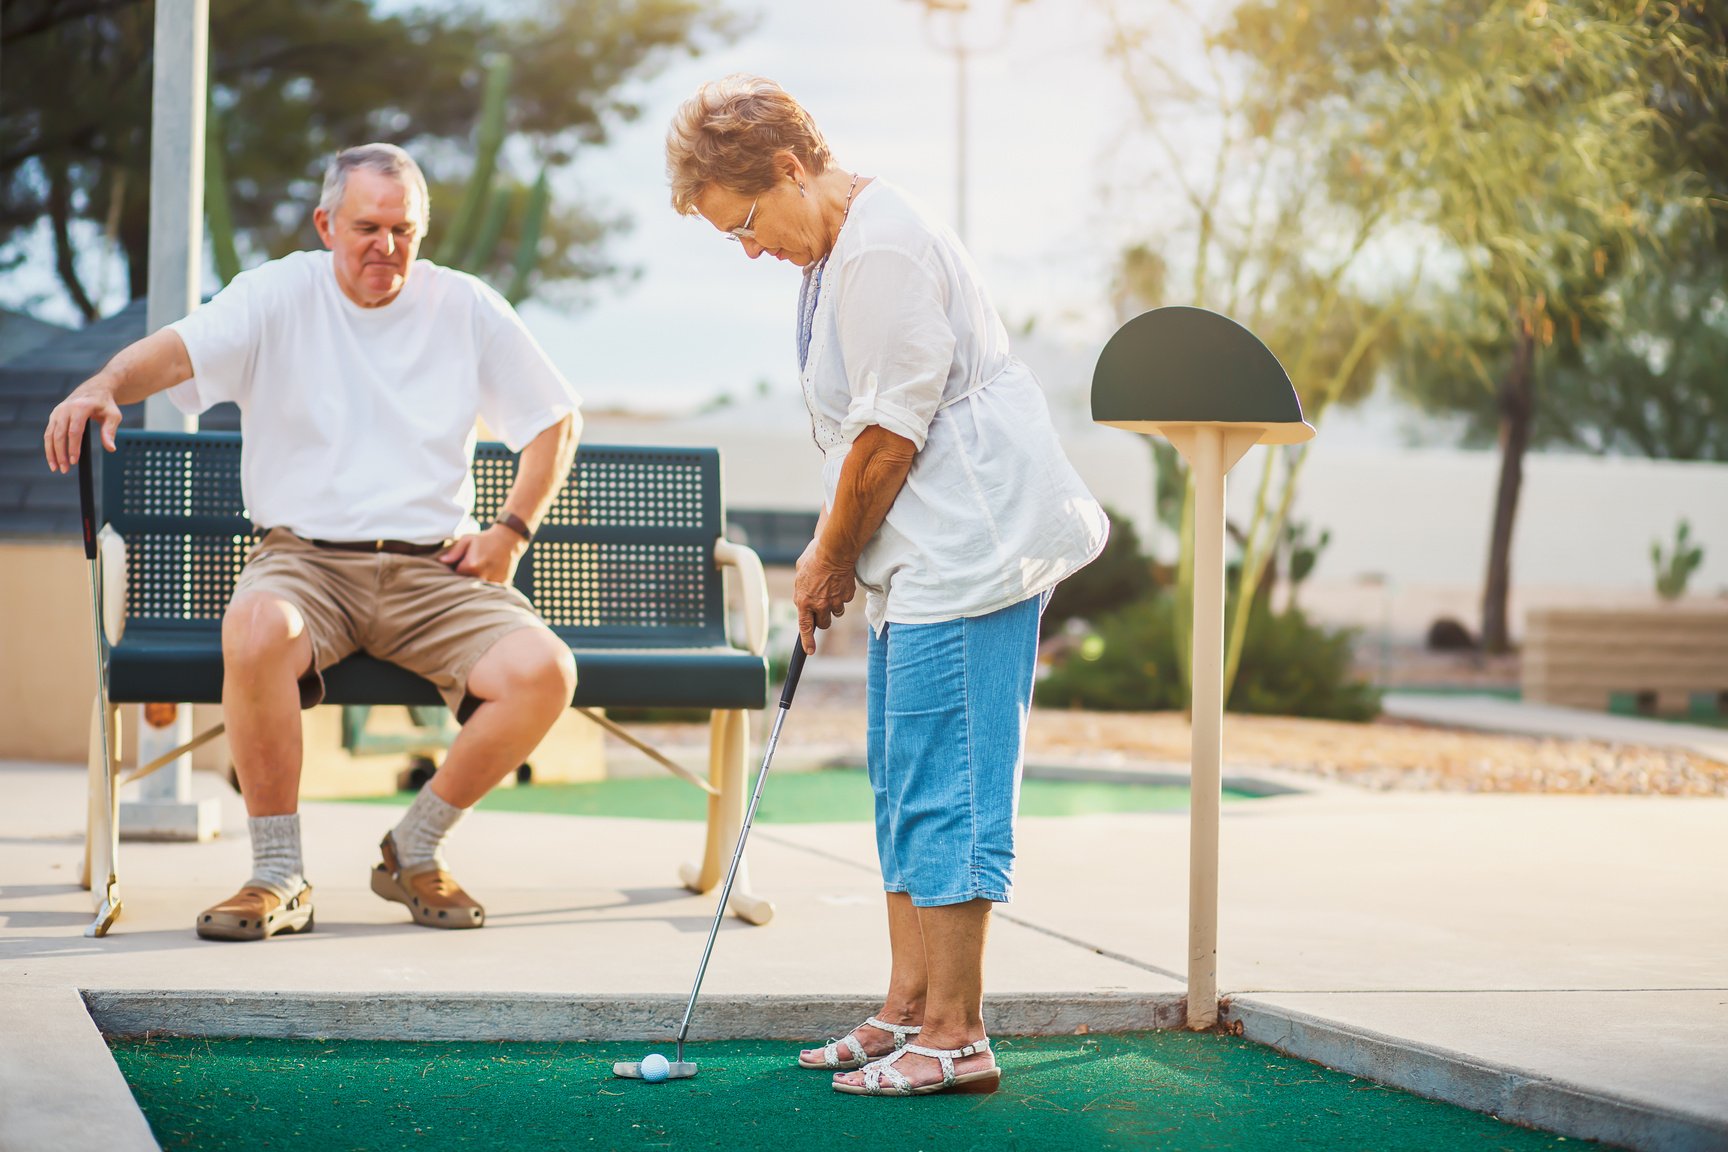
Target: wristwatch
<point>515,523</point>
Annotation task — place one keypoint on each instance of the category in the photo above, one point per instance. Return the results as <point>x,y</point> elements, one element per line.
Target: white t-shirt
<point>905,336</point>
<point>359,423</point>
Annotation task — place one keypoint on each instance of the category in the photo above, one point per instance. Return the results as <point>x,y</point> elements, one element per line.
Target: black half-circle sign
<point>1182,365</point>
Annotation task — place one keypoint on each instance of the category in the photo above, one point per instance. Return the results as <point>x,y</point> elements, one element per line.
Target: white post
<point>1207,703</point>
<point>176,178</point>
<point>165,809</point>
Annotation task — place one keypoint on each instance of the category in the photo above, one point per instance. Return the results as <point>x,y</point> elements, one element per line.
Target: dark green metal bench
<point>626,569</point>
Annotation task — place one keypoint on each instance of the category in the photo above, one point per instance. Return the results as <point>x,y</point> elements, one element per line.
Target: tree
<point>1524,141</point>
<point>1655,384</point>
<point>1240,223</point>
<point>1645,378</point>
<point>1649,384</point>
<point>292,83</point>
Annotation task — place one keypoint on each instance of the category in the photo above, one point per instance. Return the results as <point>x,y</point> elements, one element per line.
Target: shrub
<point>1121,575</point>
<point>1290,667</point>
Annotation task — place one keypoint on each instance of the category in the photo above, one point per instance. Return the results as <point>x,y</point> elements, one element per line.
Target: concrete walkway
<point>1559,961</point>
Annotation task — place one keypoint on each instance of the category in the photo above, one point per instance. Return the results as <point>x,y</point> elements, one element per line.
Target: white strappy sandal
<point>983,1080</point>
<point>832,1061</point>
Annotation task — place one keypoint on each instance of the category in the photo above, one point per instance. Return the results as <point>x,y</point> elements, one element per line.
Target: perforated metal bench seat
<point>185,665</point>
<point>623,570</point>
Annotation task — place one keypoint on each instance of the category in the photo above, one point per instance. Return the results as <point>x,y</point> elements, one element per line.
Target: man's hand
<point>820,591</point>
<point>138,370</point>
<point>63,442</point>
<point>491,555</point>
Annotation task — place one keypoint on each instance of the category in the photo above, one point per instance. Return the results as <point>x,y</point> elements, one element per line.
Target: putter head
<point>676,1069</point>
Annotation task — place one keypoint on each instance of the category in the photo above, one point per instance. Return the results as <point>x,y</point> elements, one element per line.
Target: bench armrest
<point>754,588</point>
<point>111,558</point>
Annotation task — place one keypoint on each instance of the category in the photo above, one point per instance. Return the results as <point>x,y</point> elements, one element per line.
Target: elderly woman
<point>948,500</point>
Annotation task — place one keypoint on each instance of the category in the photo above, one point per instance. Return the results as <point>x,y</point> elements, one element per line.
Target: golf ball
<point>655,1068</point>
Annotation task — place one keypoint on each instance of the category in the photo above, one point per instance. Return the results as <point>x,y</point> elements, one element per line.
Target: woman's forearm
<point>872,476</point>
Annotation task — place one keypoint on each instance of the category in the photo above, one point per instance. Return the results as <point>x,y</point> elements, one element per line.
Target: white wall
<point>1588,522</point>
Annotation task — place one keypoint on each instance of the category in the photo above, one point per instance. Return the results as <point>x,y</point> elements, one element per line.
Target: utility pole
<point>952,14</point>
<point>165,809</point>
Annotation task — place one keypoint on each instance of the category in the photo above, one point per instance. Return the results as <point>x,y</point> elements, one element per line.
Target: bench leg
<point>728,740</point>
<point>102,825</point>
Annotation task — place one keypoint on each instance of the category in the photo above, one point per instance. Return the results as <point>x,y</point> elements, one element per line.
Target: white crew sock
<point>420,836</point>
<point>276,863</point>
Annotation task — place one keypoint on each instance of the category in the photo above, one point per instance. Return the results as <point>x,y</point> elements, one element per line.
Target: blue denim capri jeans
<point>948,705</point>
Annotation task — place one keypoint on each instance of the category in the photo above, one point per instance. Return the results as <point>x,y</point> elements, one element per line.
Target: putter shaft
<point>793,670</point>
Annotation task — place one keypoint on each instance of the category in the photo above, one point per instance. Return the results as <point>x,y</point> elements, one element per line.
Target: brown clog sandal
<point>256,913</point>
<point>430,893</point>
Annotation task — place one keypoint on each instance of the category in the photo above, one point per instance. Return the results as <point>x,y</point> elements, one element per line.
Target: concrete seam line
<point>1443,1074</point>
<point>1019,922</point>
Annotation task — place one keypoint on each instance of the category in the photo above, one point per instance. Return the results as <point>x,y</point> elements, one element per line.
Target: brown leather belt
<point>401,547</point>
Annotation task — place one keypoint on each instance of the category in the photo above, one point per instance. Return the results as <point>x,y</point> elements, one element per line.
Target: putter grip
<point>793,670</point>
<point>87,486</point>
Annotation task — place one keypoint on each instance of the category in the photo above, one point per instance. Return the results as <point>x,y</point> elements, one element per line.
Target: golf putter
<point>110,910</point>
<point>680,1068</point>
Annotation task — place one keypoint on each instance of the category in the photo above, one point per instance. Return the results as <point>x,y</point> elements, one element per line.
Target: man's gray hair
<point>384,159</point>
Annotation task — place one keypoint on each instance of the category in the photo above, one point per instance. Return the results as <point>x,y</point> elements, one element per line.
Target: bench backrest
<point>625,557</point>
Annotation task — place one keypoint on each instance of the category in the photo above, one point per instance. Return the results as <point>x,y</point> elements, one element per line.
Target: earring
<point>800,187</point>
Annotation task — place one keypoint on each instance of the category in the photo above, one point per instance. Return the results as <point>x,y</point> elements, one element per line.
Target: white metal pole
<point>1208,463</point>
<point>165,809</point>
<point>176,177</point>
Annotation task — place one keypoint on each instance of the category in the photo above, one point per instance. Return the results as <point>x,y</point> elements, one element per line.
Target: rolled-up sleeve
<point>896,342</point>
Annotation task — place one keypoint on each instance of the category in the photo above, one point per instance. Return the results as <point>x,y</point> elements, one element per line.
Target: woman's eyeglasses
<point>744,232</point>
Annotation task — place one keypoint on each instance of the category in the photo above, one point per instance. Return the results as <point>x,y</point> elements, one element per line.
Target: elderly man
<point>359,373</point>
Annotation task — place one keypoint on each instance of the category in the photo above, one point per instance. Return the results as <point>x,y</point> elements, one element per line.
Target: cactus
<point>1673,574</point>
<point>453,245</point>
<point>528,245</point>
<point>218,213</point>
<point>485,245</point>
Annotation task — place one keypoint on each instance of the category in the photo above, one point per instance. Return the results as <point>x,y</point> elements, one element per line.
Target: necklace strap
<point>847,210</point>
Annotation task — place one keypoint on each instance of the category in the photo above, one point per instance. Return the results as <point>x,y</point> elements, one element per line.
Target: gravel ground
<point>1389,754</point>
<point>1382,755</point>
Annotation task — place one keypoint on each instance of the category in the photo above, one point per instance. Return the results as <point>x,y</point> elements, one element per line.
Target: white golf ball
<point>655,1068</point>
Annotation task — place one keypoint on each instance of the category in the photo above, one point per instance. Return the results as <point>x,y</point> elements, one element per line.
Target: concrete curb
<point>1510,1094</point>
<point>559,1018</point>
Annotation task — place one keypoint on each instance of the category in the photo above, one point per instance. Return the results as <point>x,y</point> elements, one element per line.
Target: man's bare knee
<point>264,632</point>
<point>526,664</point>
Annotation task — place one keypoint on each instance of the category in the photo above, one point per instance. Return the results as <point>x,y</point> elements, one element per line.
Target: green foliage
<point>1673,574</point>
<point>1654,384</point>
<point>1290,667</point>
<point>295,82</point>
<point>1127,664</point>
<point>1121,575</point>
<point>1301,553</point>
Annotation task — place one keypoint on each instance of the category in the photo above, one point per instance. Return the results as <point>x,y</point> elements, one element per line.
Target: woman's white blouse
<point>905,336</point>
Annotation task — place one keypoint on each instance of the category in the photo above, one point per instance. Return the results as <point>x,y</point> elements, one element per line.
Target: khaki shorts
<point>410,610</point>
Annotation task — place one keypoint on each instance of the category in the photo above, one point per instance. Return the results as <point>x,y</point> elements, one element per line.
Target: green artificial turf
<point>1151,1090</point>
<point>830,795</point>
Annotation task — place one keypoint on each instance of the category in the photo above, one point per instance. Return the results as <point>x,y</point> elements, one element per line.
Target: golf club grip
<point>793,670</point>
<point>87,487</point>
